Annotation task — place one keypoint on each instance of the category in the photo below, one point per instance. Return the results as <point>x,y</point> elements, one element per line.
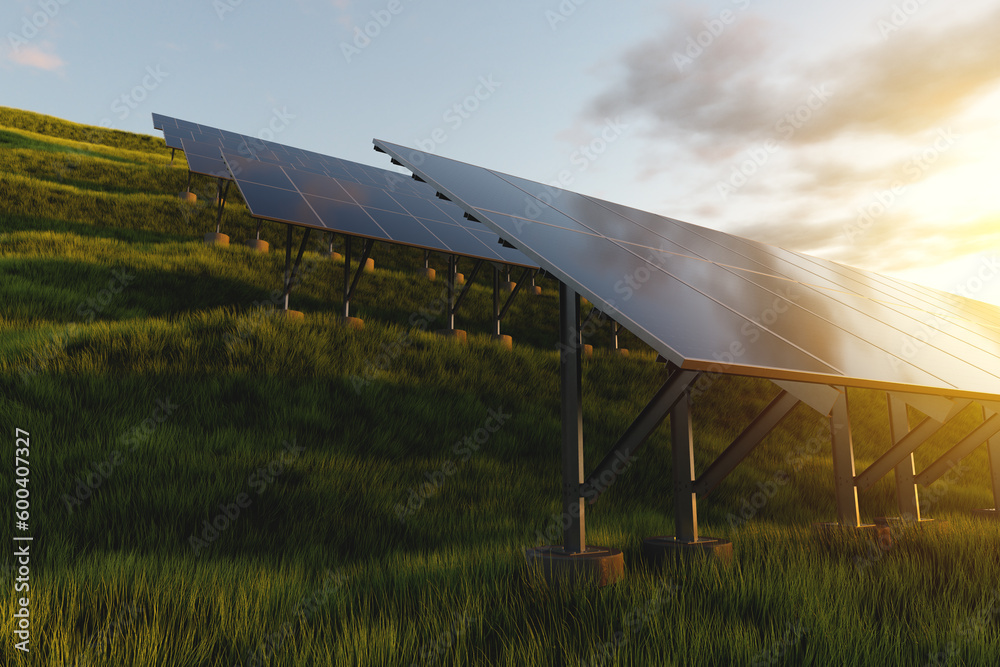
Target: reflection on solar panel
<point>706,300</point>
<point>409,215</point>
<point>305,188</point>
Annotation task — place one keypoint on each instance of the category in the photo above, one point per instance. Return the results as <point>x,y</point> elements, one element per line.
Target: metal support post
<point>843,463</point>
<point>685,499</point>
<point>906,485</point>
<point>570,371</point>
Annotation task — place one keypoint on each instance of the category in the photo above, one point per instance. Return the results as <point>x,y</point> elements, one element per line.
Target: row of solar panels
<point>704,299</point>
<point>713,301</point>
<point>296,186</point>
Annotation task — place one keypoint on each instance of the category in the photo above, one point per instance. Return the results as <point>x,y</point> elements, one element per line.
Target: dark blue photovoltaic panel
<point>306,188</point>
<point>708,300</point>
<point>285,194</point>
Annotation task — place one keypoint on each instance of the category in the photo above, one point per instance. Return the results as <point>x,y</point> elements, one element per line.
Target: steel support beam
<point>906,484</point>
<point>223,195</point>
<point>745,443</point>
<point>451,291</point>
<point>496,301</point>
<point>979,435</point>
<point>571,381</point>
<point>994,459</point>
<point>349,284</point>
<point>292,271</point>
<point>468,284</point>
<point>898,453</point>
<point>682,443</point>
<point>843,463</point>
<point>651,416</point>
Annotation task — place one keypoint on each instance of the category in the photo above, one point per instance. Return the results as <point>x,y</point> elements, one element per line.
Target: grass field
<point>212,485</point>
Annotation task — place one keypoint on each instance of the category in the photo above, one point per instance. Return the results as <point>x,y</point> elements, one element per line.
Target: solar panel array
<point>309,189</point>
<point>712,301</point>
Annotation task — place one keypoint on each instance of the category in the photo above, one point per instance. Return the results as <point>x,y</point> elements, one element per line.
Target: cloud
<point>736,90</point>
<point>33,56</point>
<point>846,126</point>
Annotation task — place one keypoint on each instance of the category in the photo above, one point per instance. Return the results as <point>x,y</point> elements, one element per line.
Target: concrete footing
<point>454,334</point>
<point>355,323</point>
<point>656,550</point>
<point>505,341</point>
<point>597,566</point>
<point>986,513</point>
<point>369,265</point>
<point>336,256</point>
<point>511,285</point>
<point>459,278</point>
<point>623,351</point>
<point>537,290</point>
<point>429,274</point>
<point>588,351</point>
<point>216,239</point>
<point>258,245</point>
<point>189,197</point>
<point>292,315</point>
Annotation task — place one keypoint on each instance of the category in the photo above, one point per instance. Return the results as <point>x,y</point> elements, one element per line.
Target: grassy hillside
<point>212,485</point>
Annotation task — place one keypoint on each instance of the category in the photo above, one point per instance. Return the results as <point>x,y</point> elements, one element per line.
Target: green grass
<point>146,363</point>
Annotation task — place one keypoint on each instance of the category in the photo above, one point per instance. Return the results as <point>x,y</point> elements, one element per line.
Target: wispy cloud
<point>40,57</point>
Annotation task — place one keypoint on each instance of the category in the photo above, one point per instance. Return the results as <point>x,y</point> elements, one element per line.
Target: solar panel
<point>707,300</point>
<point>301,187</point>
<point>309,199</point>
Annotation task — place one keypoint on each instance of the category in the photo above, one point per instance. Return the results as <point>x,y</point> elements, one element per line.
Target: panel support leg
<point>843,464</point>
<point>993,449</point>
<point>906,484</point>
<point>571,380</point>
<point>682,443</point>
<point>574,562</point>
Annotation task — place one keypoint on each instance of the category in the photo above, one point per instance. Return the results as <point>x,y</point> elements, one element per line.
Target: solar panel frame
<point>882,313</point>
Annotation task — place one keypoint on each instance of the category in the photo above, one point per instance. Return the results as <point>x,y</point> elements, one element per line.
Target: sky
<point>860,131</point>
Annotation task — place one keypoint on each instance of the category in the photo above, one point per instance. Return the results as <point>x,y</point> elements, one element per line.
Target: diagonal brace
<point>292,272</point>
<point>745,443</point>
<point>468,284</point>
<point>510,299</point>
<point>898,453</point>
<point>651,416</point>
<point>979,435</point>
